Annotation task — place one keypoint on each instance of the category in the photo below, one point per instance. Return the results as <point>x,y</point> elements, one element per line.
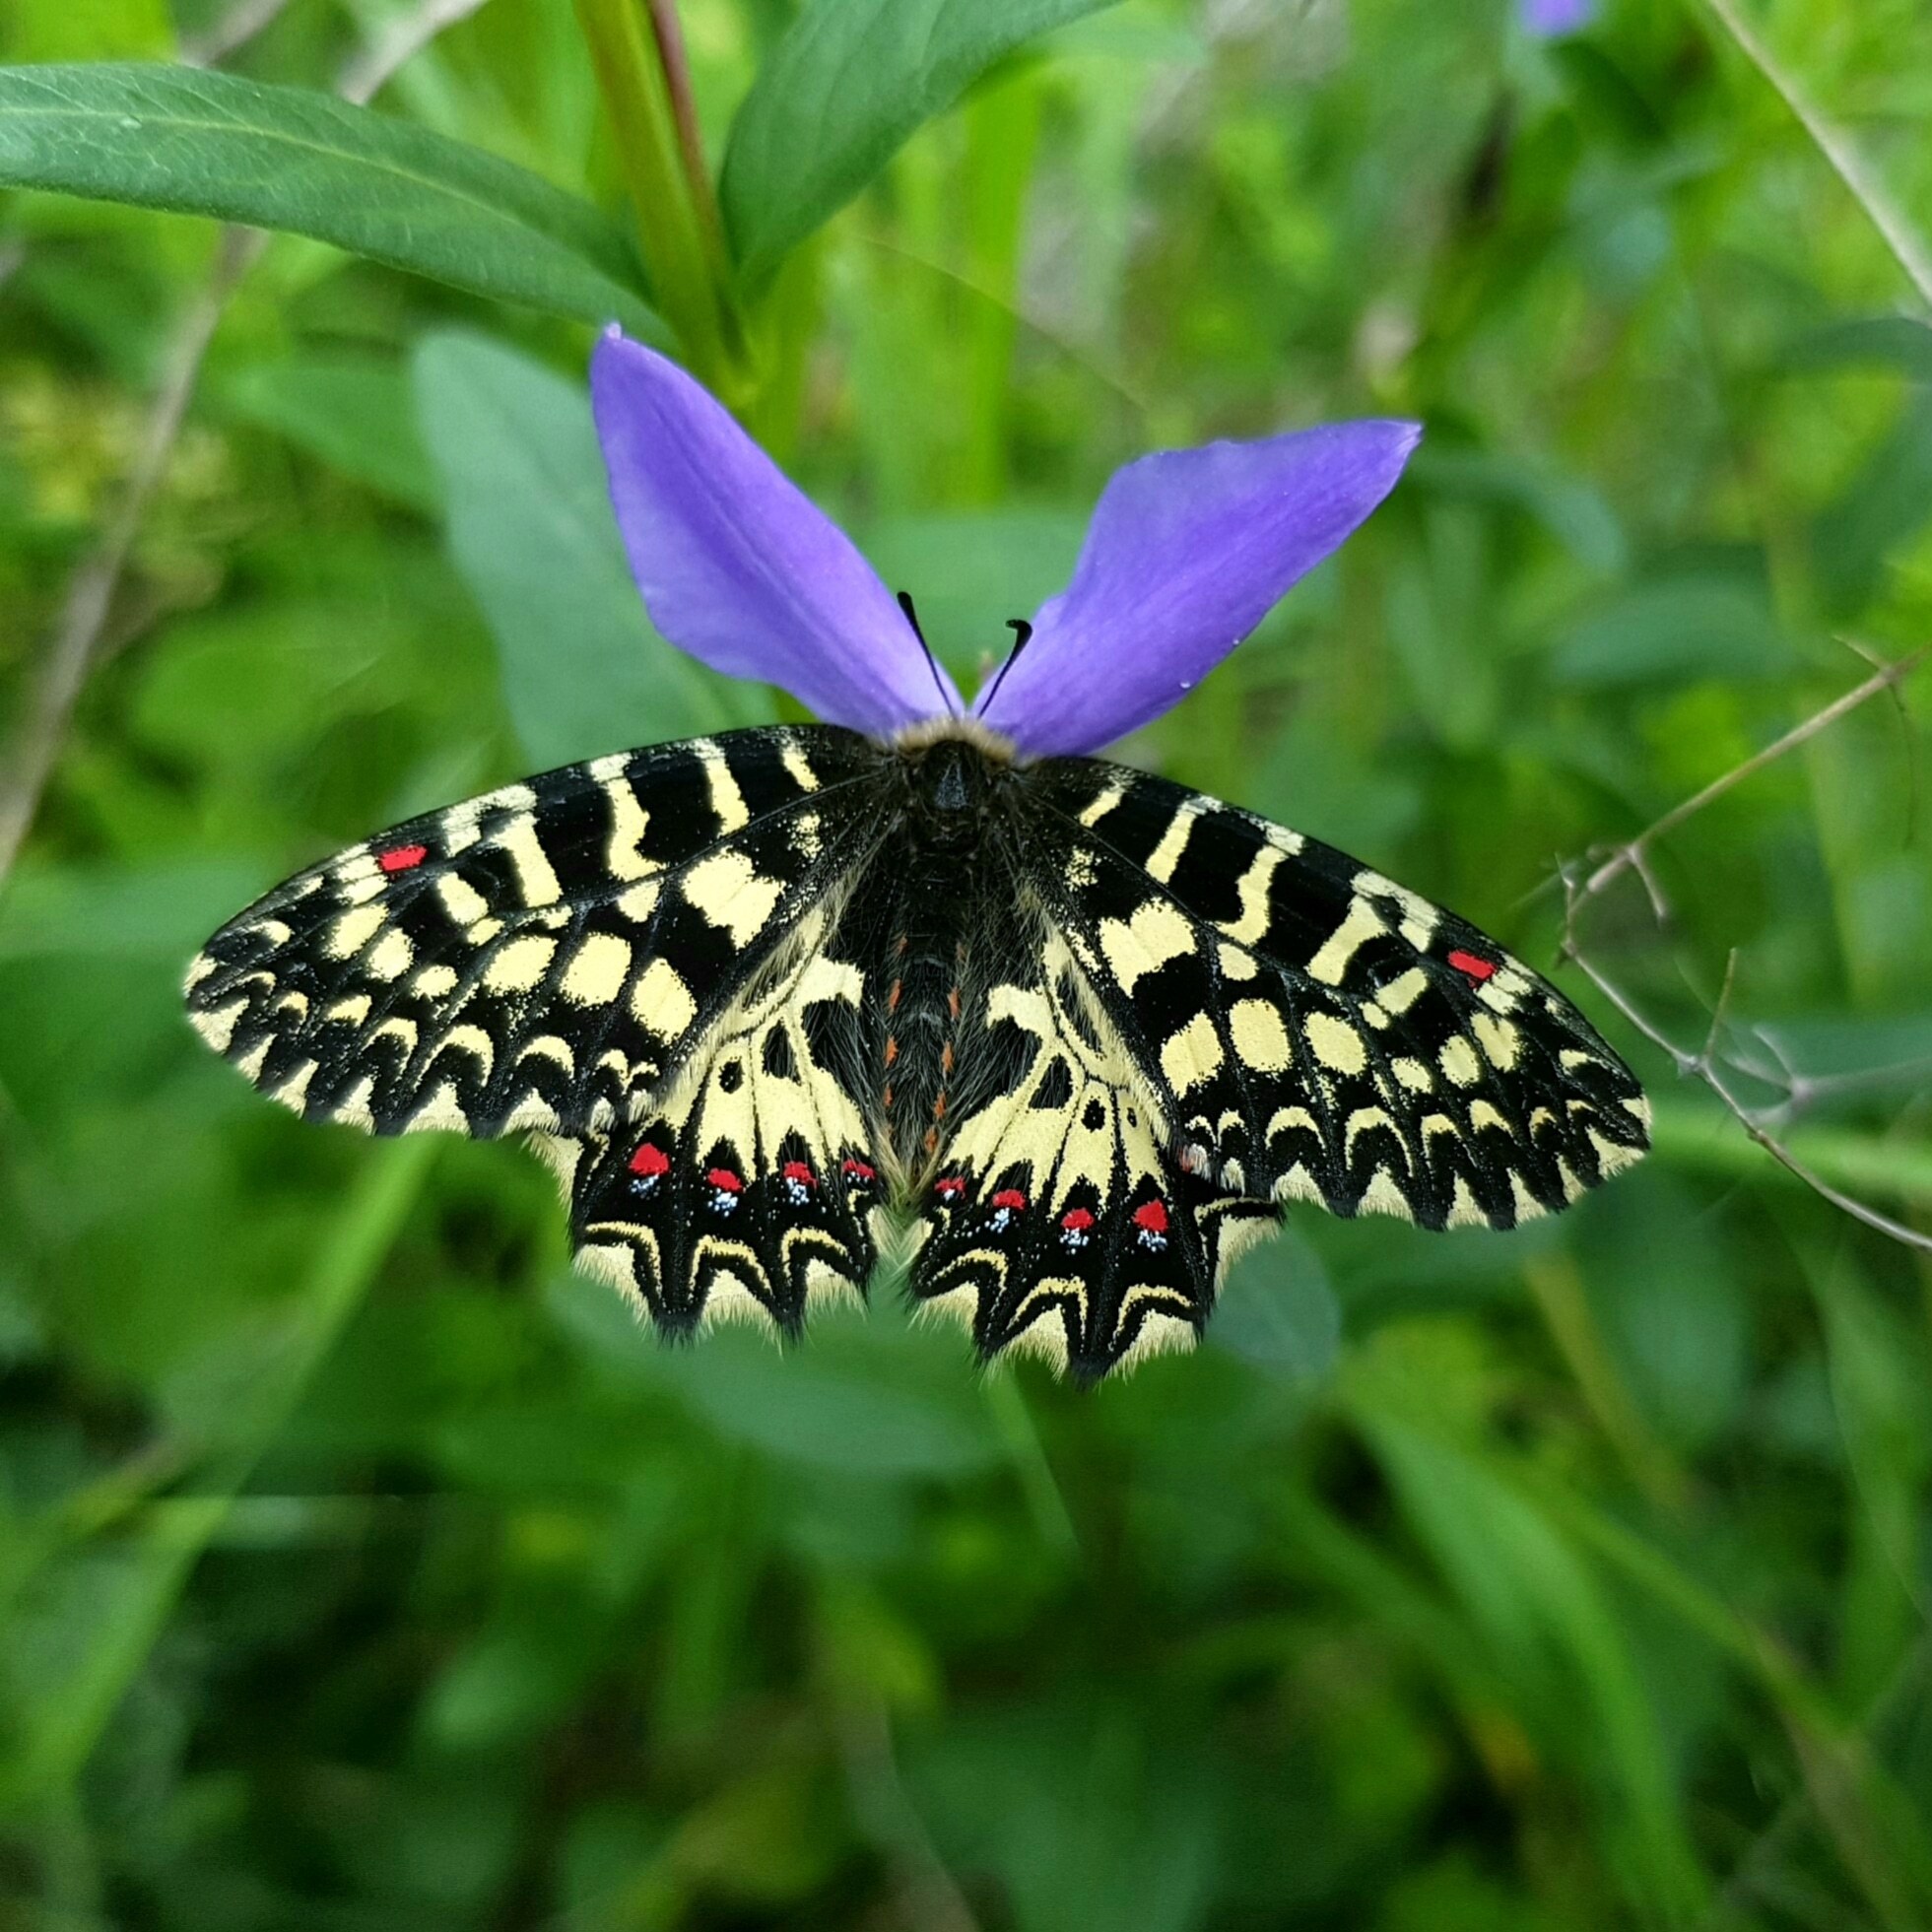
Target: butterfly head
<point>953,770</point>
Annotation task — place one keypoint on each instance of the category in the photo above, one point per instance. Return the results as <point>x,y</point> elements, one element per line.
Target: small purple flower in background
<point>1549,19</point>
<point>1188,552</point>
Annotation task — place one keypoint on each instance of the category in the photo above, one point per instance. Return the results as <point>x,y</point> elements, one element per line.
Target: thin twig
<point>370,71</point>
<point>231,32</point>
<point>1907,246</point>
<point>1710,1064</point>
<point>91,590</point>
<point>1701,1066</point>
<point>1634,853</point>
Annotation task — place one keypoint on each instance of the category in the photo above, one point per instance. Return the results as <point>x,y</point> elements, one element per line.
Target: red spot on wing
<point>856,1169</point>
<point>1010,1197</point>
<point>1153,1216</point>
<point>403,860</point>
<point>650,1160</point>
<point>724,1178</point>
<point>1478,969</point>
<point>1077,1219</point>
<point>797,1170</point>
<point>950,1188</point>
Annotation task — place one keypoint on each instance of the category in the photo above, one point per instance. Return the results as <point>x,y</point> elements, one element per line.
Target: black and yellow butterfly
<point>753,993</point>
<point>756,995</point>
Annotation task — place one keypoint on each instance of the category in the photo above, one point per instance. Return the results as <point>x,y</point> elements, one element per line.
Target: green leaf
<point>153,912</point>
<point>1884,504</point>
<point>1552,1629</point>
<point>77,1623</point>
<point>1279,1311</point>
<point>1895,342</point>
<point>842,90</point>
<point>285,158</point>
<point>868,1394</point>
<point>529,524</point>
<point>1573,511</point>
<point>1675,630</point>
<point>352,411</point>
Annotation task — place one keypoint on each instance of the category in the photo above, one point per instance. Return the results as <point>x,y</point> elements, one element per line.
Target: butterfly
<point>764,998</point>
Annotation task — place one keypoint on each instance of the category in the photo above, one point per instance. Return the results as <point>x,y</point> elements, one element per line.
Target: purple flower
<point>1188,552</point>
<point>1549,19</point>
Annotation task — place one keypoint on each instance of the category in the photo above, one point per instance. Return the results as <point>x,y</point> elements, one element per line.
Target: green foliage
<point>530,527</point>
<point>289,157</point>
<point>840,92</point>
<point>362,1566</point>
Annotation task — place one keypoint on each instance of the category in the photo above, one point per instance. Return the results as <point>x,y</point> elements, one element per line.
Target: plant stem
<point>638,53</point>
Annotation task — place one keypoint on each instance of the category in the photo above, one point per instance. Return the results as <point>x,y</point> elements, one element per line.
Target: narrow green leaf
<point>1674,630</point>
<point>1554,1630</point>
<point>529,524</point>
<point>83,1624</point>
<point>840,92</point>
<point>286,157</point>
<point>1897,342</point>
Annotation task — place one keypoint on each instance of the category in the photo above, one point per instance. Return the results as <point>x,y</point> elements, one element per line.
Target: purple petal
<point>1547,19</point>
<point>736,565</point>
<point>1188,550</point>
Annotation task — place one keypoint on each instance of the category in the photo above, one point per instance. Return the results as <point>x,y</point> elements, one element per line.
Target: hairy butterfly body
<point>751,994</point>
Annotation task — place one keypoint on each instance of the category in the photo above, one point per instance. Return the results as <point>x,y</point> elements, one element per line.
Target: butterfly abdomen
<point>929,925</point>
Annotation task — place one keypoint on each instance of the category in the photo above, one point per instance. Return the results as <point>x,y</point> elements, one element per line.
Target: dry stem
<point>1712,1063</point>
<point>1908,245</point>
<point>91,590</point>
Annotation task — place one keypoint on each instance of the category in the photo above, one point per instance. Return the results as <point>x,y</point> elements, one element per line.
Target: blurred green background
<point>362,1568</point>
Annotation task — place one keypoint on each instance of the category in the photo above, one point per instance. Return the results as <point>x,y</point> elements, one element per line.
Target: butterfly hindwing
<point>545,957</point>
<point>752,1189</point>
<point>1312,1030</point>
<point>1057,1219</point>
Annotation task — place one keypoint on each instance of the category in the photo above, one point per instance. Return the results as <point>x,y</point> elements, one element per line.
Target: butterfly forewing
<point>1310,1031</point>
<point>544,956</point>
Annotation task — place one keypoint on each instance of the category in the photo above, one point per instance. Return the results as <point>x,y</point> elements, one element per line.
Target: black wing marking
<point>1057,1219</point>
<point>1312,1030</point>
<point>545,957</point>
<point>752,1192</point>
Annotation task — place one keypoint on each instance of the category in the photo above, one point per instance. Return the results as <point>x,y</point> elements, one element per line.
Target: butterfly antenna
<point>932,663</point>
<point>1022,631</point>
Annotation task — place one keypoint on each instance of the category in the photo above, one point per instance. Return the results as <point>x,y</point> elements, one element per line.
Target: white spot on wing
<point>1192,1055</point>
<point>597,970</point>
<point>1166,856</point>
<point>732,894</point>
<point>1153,935</point>
<point>1337,1045</point>
<point>1104,802</point>
<point>1255,916</point>
<point>662,1001</point>
<point>1360,924</point>
<point>520,965</point>
<point>1261,1039</point>
<point>727,801</point>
